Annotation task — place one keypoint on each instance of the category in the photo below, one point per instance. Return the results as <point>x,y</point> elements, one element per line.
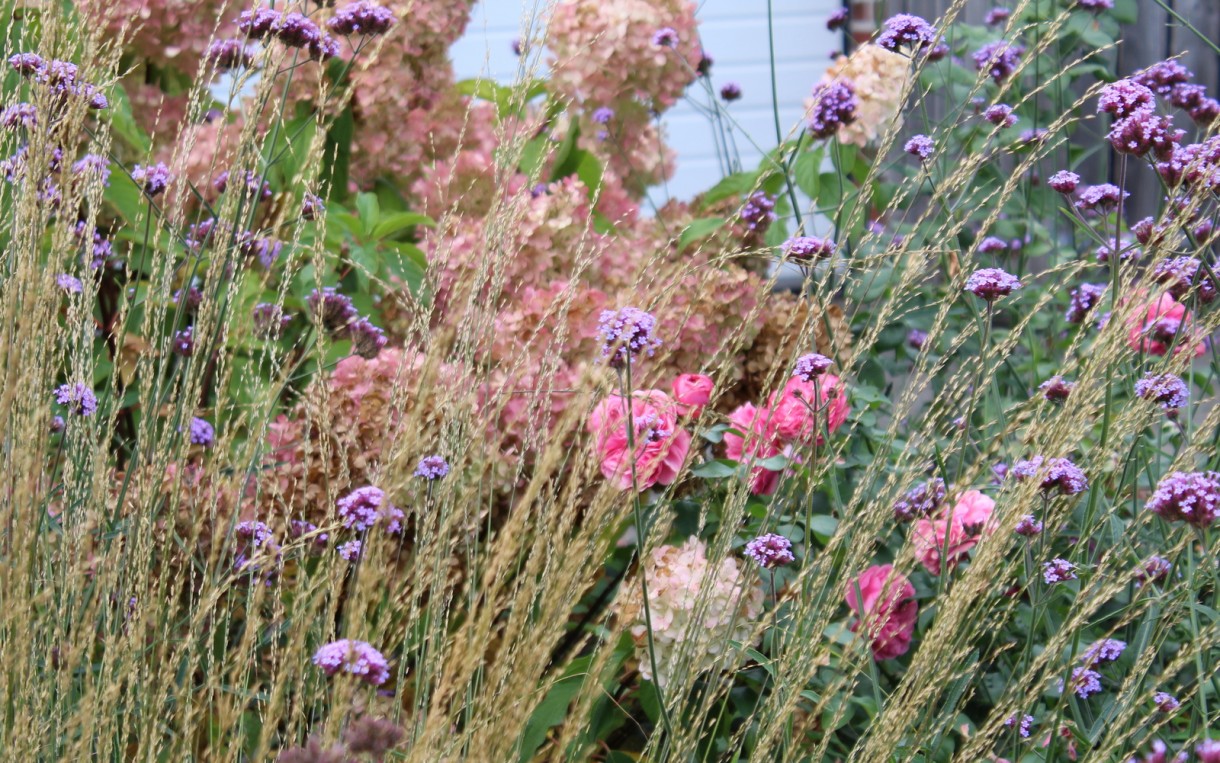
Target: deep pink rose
<point>660,444</point>
<point>692,391</point>
<point>888,612</point>
<point>969,517</point>
<point>1154,326</point>
<point>792,417</point>
<point>757,444</point>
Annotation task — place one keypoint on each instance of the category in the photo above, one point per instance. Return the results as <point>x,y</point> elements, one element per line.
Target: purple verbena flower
<point>665,37</point>
<point>999,59</point>
<point>78,397</point>
<point>991,283</point>
<point>228,54</point>
<point>183,342</point>
<point>730,91</point>
<point>838,19</point>
<point>312,206</point>
<point>1163,76</point>
<point>19,115</point>
<point>367,340</point>
<point>332,309</point>
<point>362,18</point>
<point>833,106</point>
<point>920,146</point>
<point>993,245</point>
<point>1056,389</point>
<point>770,551</point>
<point>1064,182</point>
<point>997,16</point>
<point>1181,274</point>
<point>1166,702</point>
<point>806,249</point>
<point>1058,571</point>
<point>1125,97</point>
<point>923,500</point>
<point>1085,682</point>
<point>1102,197</point>
<point>357,658</point>
<point>603,114</point>
<point>1083,299</point>
<point>270,320</point>
<point>812,365</point>
<point>625,334</point>
<point>95,165</point>
<point>1191,497</point>
<point>432,468</point>
<point>350,551</point>
<point>1027,722</point>
<point>1096,6</point>
<point>906,30</point>
<point>1000,115</point>
<point>367,506</point>
<point>1106,650</point>
<point>758,212</point>
<point>1029,526</point>
<point>154,179</point>
<point>1168,390</point>
<point>1155,570</point>
<point>69,283</point>
<point>916,339</point>
<point>1143,133</point>
<point>202,433</point>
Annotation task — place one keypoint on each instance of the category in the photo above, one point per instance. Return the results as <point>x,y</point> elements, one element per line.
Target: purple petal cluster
<point>1166,702</point>
<point>1155,570</point>
<point>1056,389</point>
<point>921,146</point>
<point>154,179</point>
<point>1029,526</point>
<point>1064,181</point>
<point>367,506</point>
<point>665,37</point>
<point>19,115</point>
<point>1168,390</point>
<point>432,467</point>
<point>59,77</point>
<point>183,342</point>
<point>1085,682</point>
<point>69,283</point>
<point>906,30</point>
<point>332,309</point>
<point>834,105</point>
<point>362,18</point>
<point>78,397</point>
<point>999,59</point>
<point>1181,274</point>
<point>730,91</point>
<point>992,283</point>
<point>770,551</point>
<point>1106,650</point>
<point>812,365</point>
<point>202,433</point>
<point>1191,497</point>
<point>270,320</point>
<point>228,54</point>
<point>625,334</point>
<point>1000,115</point>
<point>94,165</point>
<point>292,28</point>
<point>809,248</point>
<point>1058,571</point>
<point>357,658</point>
<point>1143,133</point>
<point>993,245</point>
<point>1163,76</point>
<point>758,212</point>
<point>1083,299</point>
<point>1025,727</point>
<point>367,340</point>
<point>1102,197</point>
<point>350,551</point>
<point>923,500</point>
<point>1125,97</point>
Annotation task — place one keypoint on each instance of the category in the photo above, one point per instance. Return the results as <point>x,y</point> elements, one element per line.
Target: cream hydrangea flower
<point>879,78</point>
<point>696,610</point>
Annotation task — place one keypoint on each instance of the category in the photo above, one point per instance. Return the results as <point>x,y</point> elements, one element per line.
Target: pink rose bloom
<point>791,414</point>
<point>756,444</point>
<point>889,609</point>
<point>693,391</point>
<point>1163,320</point>
<point>952,537</point>
<point>660,445</point>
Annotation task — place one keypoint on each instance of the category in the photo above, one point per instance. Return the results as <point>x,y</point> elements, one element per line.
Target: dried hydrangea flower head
<point>625,334</point>
<point>697,610</point>
<point>770,551</point>
<point>356,658</point>
<point>992,283</point>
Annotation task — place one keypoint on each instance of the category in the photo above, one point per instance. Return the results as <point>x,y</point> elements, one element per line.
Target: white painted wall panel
<point>734,33</point>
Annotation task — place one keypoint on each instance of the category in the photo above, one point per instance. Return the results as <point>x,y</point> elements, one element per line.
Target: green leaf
<point>717,469</point>
<point>369,210</point>
<point>823,526</point>
<point>123,123</point>
<point>590,172</point>
<point>553,709</point>
<point>714,433</point>
<point>338,152</point>
<point>698,229</point>
<point>737,184</point>
<point>401,221</point>
<point>408,263</point>
<point>807,172</point>
<point>567,157</point>
<point>776,463</point>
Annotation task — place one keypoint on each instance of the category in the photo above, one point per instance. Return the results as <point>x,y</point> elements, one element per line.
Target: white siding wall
<point>735,35</point>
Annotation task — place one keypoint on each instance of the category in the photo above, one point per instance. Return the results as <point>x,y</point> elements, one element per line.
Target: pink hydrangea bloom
<point>660,444</point>
<point>885,600</point>
<point>1155,325</point>
<point>692,392</point>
